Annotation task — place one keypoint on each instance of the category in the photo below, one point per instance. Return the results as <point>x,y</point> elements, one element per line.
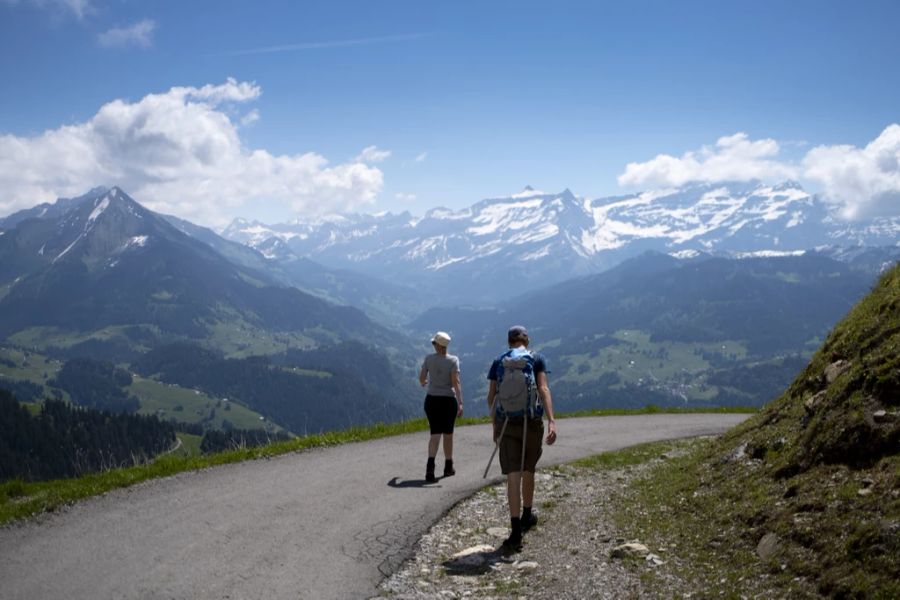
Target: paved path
<point>328,523</point>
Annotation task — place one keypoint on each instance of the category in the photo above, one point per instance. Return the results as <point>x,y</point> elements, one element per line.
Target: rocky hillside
<point>811,485</point>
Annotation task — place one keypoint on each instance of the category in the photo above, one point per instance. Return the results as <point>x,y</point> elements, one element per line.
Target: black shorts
<point>441,412</point>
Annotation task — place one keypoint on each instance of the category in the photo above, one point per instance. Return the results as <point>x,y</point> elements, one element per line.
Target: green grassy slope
<point>807,492</point>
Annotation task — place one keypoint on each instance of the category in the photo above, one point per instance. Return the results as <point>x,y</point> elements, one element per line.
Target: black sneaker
<point>529,522</point>
<point>448,469</point>
<point>512,544</point>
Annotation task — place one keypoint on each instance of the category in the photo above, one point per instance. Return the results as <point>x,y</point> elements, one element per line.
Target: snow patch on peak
<point>494,217</point>
<point>100,207</point>
<point>69,247</point>
<point>685,254</point>
<point>769,253</point>
<point>138,240</point>
<point>448,214</point>
<point>528,192</point>
<point>539,253</point>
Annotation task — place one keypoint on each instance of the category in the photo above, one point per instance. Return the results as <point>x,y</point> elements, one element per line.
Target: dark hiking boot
<point>513,543</point>
<point>448,468</point>
<point>529,520</point>
<point>429,471</point>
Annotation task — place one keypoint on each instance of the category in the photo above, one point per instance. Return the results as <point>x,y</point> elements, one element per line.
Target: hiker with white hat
<point>443,401</point>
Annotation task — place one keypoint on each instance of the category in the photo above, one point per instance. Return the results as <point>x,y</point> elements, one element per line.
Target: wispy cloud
<point>140,34</point>
<point>404,37</point>
<point>79,8</point>
<point>421,157</point>
<point>250,118</point>
<point>373,154</point>
<point>402,197</point>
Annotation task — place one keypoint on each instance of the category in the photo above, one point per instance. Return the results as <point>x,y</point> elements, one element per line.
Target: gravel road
<point>326,523</point>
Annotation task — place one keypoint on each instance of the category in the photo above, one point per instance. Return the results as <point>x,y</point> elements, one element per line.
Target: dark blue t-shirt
<point>540,365</point>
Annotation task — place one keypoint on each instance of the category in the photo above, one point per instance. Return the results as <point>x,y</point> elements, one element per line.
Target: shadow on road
<point>396,482</point>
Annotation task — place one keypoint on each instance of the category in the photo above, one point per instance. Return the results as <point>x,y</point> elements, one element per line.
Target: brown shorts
<point>511,445</point>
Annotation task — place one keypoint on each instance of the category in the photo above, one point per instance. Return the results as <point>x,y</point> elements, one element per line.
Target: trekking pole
<point>524,440</point>
<point>496,447</point>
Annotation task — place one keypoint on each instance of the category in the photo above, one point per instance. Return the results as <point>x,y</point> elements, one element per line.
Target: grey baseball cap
<point>516,332</point>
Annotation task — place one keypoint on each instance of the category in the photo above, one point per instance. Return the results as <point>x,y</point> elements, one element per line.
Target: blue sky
<point>455,101</point>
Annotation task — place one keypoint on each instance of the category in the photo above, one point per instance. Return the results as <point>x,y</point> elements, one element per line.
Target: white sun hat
<point>441,338</point>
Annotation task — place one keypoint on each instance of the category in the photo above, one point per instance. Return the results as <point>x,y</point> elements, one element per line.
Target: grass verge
<point>727,527</point>
<point>20,499</point>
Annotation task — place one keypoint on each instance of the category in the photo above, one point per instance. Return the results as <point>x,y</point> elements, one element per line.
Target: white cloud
<point>178,152</point>
<point>865,182</point>
<point>733,158</point>
<point>140,34</point>
<point>373,154</point>
<point>79,8</point>
<point>250,118</point>
<point>405,197</point>
<point>421,157</point>
<point>861,182</point>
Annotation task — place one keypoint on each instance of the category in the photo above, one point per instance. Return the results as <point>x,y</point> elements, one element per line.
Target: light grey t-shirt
<point>439,368</point>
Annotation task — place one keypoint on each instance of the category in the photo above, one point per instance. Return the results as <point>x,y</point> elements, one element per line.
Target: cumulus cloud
<point>373,154</point>
<point>733,158</point>
<point>860,182</point>
<point>140,34</point>
<point>178,152</point>
<point>865,182</point>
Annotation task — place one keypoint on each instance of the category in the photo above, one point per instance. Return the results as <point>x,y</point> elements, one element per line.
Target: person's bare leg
<point>513,493</point>
<point>527,489</point>
<point>433,443</point>
<point>448,446</point>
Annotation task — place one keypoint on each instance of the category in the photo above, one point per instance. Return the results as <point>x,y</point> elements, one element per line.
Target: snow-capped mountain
<point>501,246</point>
<point>102,262</point>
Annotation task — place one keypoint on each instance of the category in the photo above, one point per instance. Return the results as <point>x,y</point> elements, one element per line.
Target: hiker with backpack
<point>518,398</point>
<point>443,402</point>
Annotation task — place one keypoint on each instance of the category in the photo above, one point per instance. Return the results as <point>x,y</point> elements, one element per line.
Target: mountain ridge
<point>105,260</point>
<point>533,238</point>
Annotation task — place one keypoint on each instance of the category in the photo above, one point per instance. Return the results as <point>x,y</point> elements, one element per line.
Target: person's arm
<point>457,388</point>
<point>423,376</point>
<point>547,399</point>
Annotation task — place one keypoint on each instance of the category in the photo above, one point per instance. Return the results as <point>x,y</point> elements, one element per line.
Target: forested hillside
<point>64,441</point>
<point>337,387</point>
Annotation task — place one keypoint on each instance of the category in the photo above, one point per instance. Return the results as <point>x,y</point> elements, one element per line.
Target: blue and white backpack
<point>517,393</point>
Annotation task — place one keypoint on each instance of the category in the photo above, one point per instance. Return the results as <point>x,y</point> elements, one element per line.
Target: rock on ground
<point>566,556</point>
